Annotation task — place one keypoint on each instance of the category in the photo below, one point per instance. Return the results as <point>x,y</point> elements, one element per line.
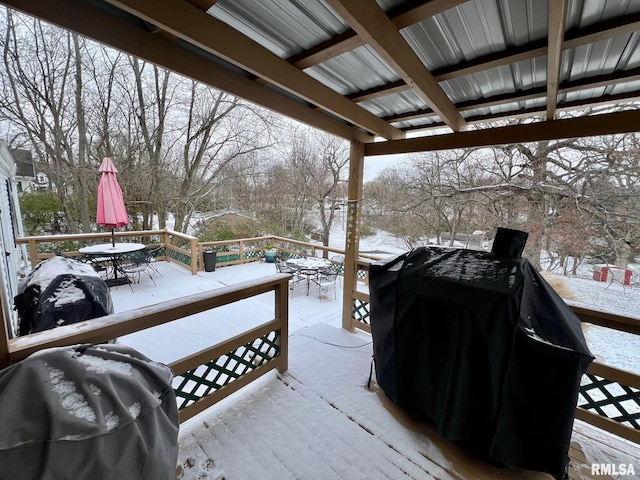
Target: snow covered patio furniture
<point>135,264</point>
<point>483,346</point>
<point>88,412</point>
<point>60,291</point>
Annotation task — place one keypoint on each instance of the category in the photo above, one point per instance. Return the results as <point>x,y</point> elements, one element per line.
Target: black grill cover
<point>60,291</point>
<point>103,412</point>
<point>482,345</point>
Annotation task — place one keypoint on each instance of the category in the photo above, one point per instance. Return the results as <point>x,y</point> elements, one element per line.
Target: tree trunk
<point>82,140</point>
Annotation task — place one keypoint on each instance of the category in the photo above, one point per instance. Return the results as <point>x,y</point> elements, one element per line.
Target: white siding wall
<point>12,257</point>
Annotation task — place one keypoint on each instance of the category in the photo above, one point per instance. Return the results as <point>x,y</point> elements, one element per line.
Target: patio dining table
<point>309,267</point>
<point>114,252</point>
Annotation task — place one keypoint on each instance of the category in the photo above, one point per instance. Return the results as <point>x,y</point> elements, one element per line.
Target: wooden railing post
<point>194,256</point>
<point>282,316</point>
<point>33,252</point>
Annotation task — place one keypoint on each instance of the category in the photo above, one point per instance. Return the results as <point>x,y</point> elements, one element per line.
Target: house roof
<point>24,163</point>
<point>451,71</point>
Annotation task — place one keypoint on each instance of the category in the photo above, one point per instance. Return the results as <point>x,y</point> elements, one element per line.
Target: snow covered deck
<point>318,420</point>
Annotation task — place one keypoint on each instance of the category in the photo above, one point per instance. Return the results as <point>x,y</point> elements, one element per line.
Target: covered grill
<point>88,412</point>
<point>482,345</point>
<point>60,291</point>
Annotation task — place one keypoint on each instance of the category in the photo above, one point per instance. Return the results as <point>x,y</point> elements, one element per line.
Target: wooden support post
<point>354,205</point>
<point>282,315</point>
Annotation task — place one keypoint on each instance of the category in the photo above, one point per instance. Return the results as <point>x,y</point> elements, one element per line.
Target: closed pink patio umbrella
<point>111,212</point>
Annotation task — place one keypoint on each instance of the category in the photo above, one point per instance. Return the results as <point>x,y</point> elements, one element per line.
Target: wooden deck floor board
<point>319,421</point>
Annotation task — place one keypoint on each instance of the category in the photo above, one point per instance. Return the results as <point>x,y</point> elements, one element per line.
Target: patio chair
<point>138,263</point>
<point>100,264</point>
<point>325,279</point>
<point>153,258</point>
<point>282,267</point>
<point>338,259</point>
<point>338,266</point>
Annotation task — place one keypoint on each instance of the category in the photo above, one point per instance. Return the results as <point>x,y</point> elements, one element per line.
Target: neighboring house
<point>13,257</point>
<point>28,179</point>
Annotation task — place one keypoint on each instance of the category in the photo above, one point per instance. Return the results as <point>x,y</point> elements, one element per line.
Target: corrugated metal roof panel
<point>354,71</point>
<point>285,27</point>
<point>388,105</point>
<point>476,28</point>
<point>599,58</point>
<point>523,75</point>
<point>506,108</point>
<point>582,13</point>
<point>463,33</point>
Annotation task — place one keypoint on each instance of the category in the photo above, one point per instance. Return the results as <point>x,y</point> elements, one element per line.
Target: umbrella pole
<point>113,237</point>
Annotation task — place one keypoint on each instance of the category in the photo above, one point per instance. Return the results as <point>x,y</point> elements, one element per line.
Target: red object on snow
<point>612,273</point>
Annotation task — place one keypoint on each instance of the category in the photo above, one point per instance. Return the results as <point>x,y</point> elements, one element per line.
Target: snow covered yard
<point>618,349</point>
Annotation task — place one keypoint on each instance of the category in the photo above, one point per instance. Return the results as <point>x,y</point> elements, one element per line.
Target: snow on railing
<point>254,352</point>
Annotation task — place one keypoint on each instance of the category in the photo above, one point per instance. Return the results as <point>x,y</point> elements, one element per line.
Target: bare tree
<point>42,97</point>
<point>608,194</point>
<point>319,162</point>
<point>220,129</point>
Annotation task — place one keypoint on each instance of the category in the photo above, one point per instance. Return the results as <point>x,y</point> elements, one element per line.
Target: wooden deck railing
<point>255,352</point>
<point>609,397</point>
<point>179,248</point>
<point>244,250</point>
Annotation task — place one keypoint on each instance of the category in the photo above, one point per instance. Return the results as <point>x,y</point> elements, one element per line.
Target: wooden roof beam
<point>187,22</point>
<point>373,26</point>
<point>588,126</point>
<point>203,5</point>
<point>556,14</point>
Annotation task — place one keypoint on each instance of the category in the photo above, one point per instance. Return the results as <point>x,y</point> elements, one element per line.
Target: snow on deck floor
<point>174,340</point>
<point>319,421</point>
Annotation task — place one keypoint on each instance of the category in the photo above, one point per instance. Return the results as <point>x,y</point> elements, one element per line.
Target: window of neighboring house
<point>19,185</point>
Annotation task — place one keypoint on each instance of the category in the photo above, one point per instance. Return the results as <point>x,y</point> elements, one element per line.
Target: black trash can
<point>209,261</point>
